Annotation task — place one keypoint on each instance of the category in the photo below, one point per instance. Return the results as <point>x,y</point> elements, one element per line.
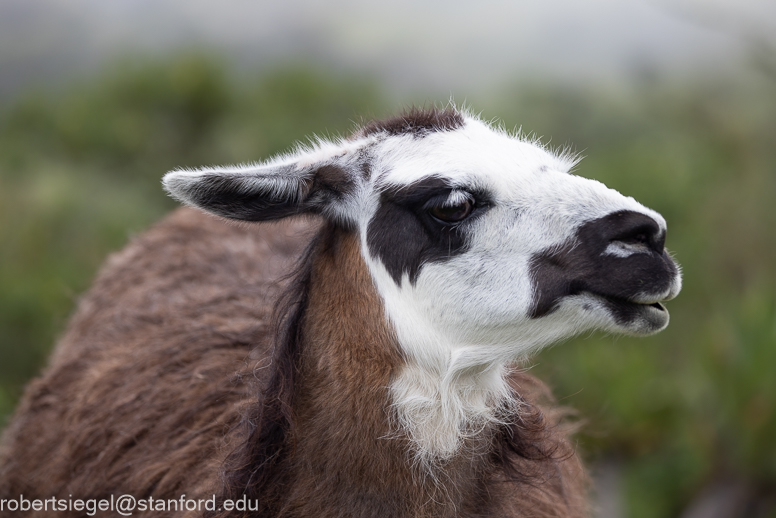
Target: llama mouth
<point>629,302</point>
<point>638,317</point>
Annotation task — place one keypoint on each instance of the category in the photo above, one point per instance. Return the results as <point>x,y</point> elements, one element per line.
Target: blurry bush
<point>80,172</point>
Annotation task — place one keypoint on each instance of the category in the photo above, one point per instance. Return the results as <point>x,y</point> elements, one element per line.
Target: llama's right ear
<point>317,181</point>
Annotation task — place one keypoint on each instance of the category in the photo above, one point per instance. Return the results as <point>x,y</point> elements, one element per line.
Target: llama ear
<point>318,181</point>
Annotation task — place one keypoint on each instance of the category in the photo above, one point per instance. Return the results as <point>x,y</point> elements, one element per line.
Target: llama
<point>380,375</point>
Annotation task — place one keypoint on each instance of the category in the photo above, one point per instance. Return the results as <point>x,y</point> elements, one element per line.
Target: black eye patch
<point>405,234</point>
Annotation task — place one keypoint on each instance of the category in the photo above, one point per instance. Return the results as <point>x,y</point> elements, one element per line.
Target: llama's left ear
<point>317,181</point>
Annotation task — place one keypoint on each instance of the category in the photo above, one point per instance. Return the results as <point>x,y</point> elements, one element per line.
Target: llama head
<point>482,245</point>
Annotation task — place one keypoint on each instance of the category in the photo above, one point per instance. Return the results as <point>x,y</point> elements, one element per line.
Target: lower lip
<point>653,306</point>
<point>656,305</point>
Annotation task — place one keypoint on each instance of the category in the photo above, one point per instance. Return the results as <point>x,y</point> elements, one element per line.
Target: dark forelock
<point>417,122</point>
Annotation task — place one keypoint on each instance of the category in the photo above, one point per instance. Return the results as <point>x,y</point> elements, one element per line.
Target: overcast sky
<point>440,45</point>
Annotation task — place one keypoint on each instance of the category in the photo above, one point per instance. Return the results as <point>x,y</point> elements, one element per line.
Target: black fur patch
<point>229,196</point>
<point>581,266</point>
<point>416,122</point>
<point>404,236</point>
<point>331,183</point>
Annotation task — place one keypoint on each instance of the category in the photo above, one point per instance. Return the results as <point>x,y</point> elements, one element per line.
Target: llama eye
<point>452,213</point>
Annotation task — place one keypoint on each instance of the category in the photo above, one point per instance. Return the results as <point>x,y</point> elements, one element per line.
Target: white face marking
<point>620,249</point>
<point>481,298</point>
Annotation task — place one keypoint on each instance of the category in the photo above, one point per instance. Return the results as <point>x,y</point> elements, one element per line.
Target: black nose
<point>632,228</point>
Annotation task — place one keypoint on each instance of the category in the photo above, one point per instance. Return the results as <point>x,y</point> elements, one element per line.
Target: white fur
<point>620,249</point>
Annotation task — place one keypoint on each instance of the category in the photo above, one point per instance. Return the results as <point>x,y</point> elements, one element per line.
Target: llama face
<point>530,254</point>
<point>482,245</point>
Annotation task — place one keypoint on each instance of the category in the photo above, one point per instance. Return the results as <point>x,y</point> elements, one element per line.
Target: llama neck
<point>444,413</point>
<point>348,440</point>
<point>327,437</point>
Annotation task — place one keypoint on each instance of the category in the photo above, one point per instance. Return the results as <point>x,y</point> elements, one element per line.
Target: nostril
<point>632,229</point>
<point>641,237</point>
<point>645,236</point>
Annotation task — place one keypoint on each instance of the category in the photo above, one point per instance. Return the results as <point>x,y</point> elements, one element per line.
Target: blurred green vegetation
<point>80,171</point>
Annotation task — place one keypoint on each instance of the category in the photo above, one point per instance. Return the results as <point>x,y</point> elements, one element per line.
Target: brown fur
<point>162,386</point>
